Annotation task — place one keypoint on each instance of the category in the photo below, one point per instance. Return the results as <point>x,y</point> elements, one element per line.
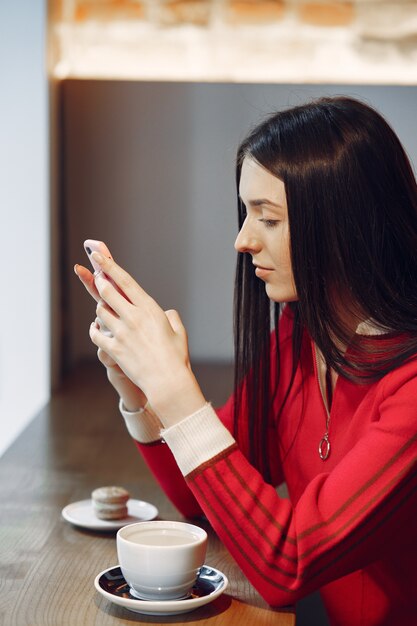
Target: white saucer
<point>210,584</point>
<point>82,514</point>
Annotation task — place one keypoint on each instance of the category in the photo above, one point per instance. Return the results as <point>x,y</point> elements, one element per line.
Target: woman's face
<point>265,232</point>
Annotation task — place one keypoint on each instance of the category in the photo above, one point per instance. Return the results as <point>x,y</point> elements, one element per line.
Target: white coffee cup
<point>161,560</point>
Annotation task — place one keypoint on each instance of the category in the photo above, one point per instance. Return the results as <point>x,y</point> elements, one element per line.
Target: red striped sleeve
<point>162,464</point>
<point>343,520</point>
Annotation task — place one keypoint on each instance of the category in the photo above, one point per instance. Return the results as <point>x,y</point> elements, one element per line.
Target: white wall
<point>24,216</point>
<point>149,169</point>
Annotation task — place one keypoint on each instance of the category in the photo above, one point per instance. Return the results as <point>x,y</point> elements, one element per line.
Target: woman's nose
<point>246,241</point>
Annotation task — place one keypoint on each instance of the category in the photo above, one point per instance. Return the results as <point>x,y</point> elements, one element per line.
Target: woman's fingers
<point>176,324</point>
<point>124,281</point>
<point>175,321</point>
<point>99,339</point>
<point>106,359</point>
<point>179,329</point>
<point>106,316</point>
<point>87,279</point>
<point>111,295</point>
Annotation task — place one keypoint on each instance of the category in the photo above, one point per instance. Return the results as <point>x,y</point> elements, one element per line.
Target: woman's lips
<point>262,272</point>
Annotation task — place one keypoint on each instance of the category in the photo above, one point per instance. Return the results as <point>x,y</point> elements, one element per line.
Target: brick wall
<point>250,40</point>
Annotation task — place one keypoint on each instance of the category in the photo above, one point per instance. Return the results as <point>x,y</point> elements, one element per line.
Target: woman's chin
<point>277,293</point>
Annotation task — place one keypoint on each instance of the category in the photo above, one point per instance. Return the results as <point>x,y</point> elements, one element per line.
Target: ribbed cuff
<point>197,439</point>
<point>143,425</point>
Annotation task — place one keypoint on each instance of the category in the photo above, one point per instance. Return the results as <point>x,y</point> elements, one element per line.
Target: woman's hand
<point>133,398</point>
<point>149,345</point>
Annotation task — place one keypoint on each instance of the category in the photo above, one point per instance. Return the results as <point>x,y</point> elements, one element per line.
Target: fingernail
<point>98,258</point>
<point>76,269</point>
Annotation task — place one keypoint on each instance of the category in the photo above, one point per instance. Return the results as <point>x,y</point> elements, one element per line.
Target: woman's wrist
<point>175,400</point>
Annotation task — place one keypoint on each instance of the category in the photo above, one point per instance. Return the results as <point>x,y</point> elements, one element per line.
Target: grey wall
<point>148,167</point>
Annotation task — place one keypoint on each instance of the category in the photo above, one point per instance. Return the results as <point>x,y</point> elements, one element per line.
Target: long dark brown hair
<point>352,210</point>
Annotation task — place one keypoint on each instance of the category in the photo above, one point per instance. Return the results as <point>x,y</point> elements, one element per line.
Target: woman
<point>327,400</point>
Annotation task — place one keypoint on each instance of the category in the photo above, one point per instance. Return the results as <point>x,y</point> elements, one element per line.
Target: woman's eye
<point>269,223</point>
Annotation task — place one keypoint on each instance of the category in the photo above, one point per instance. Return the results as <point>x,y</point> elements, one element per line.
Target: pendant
<point>324,447</point>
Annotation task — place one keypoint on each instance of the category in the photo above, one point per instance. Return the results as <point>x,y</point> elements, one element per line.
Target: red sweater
<point>349,525</point>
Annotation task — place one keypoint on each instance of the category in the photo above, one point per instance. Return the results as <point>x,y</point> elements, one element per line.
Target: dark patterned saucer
<point>210,584</point>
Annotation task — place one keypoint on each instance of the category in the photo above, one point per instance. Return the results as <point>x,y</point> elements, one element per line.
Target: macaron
<point>110,502</point>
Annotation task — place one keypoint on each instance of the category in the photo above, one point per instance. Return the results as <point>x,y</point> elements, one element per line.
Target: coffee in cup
<point>161,560</point>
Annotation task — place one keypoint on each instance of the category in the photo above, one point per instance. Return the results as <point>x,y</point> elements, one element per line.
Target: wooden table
<point>47,567</point>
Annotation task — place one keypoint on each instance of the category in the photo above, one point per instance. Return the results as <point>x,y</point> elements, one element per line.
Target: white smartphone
<point>93,245</point>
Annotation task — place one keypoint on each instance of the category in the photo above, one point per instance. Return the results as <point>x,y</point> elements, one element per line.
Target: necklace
<point>324,445</point>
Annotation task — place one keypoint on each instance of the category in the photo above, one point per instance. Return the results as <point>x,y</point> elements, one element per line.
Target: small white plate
<point>209,585</point>
<point>82,514</point>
